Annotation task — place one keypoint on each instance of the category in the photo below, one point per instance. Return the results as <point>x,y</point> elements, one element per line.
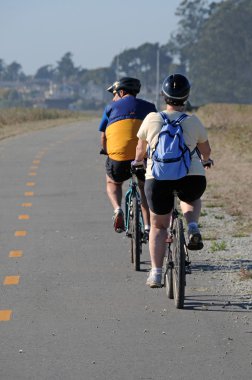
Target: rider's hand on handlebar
<point>208,163</point>
<point>137,165</point>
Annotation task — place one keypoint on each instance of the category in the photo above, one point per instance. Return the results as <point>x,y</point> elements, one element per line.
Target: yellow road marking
<point>26,204</point>
<point>30,184</point>
<point>36,162</point>
<point>5,315</point>
<point>23,217</point>
<point>16,253</point>
<point>29,193</point>
<point>20,233</point>
<point>11,280</point>
<point>31,174</point>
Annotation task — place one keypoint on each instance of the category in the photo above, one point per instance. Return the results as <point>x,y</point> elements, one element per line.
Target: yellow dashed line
<point>23,217</point>
<point>16,253</point>
<point>32,174</point>
<point>36,162</point>
<point>20,233</point>
<point>30,184</point>
<point>29,193</point>
<point>26,204</point>
<point>11,280</point>
<point>5,315</point>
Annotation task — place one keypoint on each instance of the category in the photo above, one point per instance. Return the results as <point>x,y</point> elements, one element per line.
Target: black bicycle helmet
<point>130,85</point>
<point>176,89</point>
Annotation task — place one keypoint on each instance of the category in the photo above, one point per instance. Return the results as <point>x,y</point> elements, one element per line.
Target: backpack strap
<point>173,122</point>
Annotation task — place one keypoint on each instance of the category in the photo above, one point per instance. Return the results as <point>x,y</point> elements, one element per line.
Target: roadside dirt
<point>224,265</point>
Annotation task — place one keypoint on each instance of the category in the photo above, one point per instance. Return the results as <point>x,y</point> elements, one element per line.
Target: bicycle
<point>134,223</point>
<point>177,262</point>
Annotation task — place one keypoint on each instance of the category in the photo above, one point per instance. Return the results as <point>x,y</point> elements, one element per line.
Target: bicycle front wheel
<point>178,258</point>
<point>136,239</point>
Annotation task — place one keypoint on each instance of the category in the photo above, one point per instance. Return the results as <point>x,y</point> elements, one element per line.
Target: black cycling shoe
<point>195,240</point>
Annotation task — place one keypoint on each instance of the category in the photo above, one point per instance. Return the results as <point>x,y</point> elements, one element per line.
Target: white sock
<point>117,209</point>
<point>147,227</point>
<point>156,270</point>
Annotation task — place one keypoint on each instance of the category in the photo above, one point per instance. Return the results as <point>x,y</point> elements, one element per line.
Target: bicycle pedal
<point>171,265</point>
<point>188,270</point>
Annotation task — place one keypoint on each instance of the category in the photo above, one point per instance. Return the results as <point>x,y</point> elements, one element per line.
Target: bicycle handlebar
<point>103,151</point>
<point>135,169</point>
<point>208,163</point>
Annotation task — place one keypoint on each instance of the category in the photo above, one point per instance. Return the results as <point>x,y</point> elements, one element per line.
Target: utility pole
<point>157,78</point>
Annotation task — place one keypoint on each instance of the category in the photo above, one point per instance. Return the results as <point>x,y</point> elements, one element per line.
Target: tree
<point>101,77</point>
<point>141,62</point>
<point>66,69</point>
<point>14,72</point>
<point>45,72</point>
<point>220,63</point>
<point>2,69</point>
<point>193,15</point>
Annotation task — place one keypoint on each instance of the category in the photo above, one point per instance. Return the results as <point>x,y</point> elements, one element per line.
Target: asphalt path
<point>71,305</point>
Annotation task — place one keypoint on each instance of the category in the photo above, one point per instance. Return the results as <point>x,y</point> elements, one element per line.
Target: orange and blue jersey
<point>120,122</point>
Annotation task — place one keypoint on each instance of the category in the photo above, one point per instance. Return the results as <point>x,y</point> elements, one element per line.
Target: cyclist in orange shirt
<point>119,126</point>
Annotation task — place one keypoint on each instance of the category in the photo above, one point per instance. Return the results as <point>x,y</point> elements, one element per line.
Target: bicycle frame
<point>177,263</point>
<point>131,193</point>
<point>134,221</point>
<point>176,215</point>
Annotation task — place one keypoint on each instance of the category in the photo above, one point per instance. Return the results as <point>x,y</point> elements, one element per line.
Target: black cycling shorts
<point>120,171</point>
<point>160,197</point>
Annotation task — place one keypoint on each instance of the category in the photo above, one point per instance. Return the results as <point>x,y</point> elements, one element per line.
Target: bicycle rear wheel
<point>178,258</point>
<point>136,239</point>
<point>168,277</point>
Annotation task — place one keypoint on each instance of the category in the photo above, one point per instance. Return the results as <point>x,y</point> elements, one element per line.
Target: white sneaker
<point>154,280</point>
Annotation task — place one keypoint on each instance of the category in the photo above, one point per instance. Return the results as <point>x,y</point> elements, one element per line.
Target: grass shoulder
<point>229,182</point>
<point>14,121</point>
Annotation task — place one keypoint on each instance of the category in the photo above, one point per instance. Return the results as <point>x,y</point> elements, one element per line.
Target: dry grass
<point>16,121</point>
<point>11,116</point>
<point>229,182</point>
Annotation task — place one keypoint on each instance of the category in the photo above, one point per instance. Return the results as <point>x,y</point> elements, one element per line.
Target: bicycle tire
<point>178,258</point>
<point>168,278</point>
<point>136,240</point>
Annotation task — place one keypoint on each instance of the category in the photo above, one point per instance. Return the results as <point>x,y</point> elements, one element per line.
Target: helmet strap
<point>119,93</point>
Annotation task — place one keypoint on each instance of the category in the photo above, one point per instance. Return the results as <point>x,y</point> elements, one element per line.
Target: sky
<point>35,33</point>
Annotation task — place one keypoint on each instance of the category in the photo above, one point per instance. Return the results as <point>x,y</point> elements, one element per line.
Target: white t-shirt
<point>193,130</point>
